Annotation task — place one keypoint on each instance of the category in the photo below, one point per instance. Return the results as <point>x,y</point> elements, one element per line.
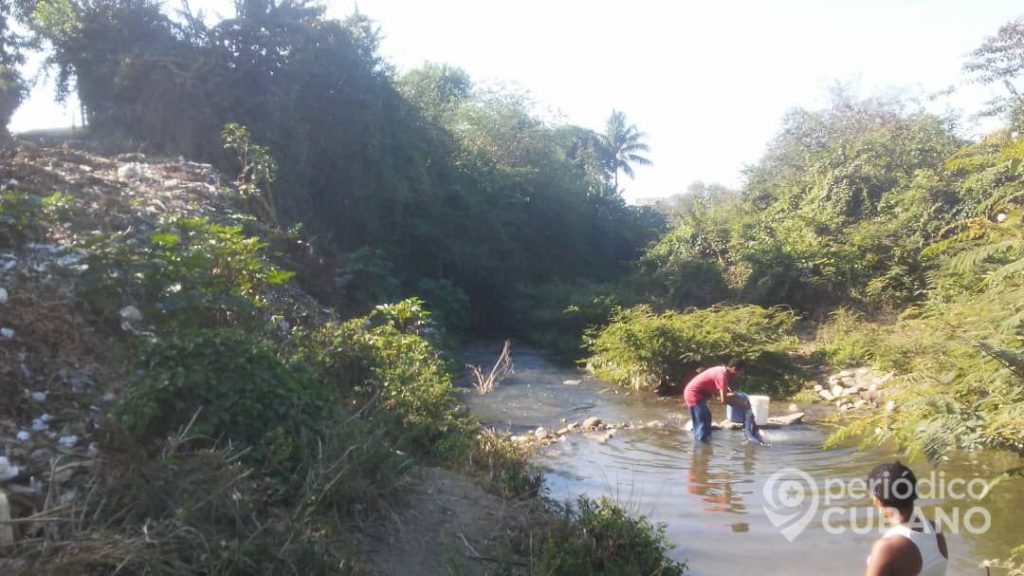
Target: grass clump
<point>846,340</point>
<point>643,349</point>
<point>599,537</point>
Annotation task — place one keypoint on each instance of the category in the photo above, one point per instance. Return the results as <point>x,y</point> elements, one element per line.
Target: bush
<point>556,316</point>
<point>644,350</point>
<point>600,538</point>
<point>235,388</point>
<point>189,273</point>
<point>383,363</point>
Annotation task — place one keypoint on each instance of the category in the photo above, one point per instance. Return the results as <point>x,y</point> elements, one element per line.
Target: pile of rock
<point>854,389</point>
<point>596,429</point>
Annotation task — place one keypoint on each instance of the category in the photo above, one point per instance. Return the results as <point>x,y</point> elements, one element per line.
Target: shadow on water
<point>712,497</point>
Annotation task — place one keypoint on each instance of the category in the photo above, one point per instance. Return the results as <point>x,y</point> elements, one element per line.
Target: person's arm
<point>723,387</point>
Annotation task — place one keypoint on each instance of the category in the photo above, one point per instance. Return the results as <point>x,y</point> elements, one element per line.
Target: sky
<point>708,82</point>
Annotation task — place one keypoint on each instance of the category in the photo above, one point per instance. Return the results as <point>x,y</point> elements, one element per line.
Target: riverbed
<point>726,506</point>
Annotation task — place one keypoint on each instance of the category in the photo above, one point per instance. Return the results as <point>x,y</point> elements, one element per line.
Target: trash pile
<point>61,363</point>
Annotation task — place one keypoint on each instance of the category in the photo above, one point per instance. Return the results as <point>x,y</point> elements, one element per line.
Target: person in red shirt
<point>706,385</point>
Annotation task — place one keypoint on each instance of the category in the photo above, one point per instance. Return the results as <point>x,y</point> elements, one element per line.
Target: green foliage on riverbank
<point>643,349</point>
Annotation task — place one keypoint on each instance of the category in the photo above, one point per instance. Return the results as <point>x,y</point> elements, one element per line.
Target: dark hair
<point>736,363</point>
<point>894,485</point>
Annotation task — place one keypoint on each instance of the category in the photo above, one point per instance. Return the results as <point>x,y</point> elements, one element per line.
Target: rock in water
<point>541,433</point>
<point>592,422</point>
<point>788,419</point>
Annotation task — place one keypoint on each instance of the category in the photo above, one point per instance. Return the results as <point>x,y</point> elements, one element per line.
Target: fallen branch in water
<point>503,368</point>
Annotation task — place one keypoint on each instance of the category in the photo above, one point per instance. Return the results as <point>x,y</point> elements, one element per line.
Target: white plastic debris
<point>132,171</point>
<point>3,296</point>
<point>7,471</point>
<point>7,332</point>
<point>131,314</point>
<point>1001,217</point>
<point>24,436</point>
<point>46,417</point>
<point>40,396</point>
<point>38,425</point>
<point>68,441</point>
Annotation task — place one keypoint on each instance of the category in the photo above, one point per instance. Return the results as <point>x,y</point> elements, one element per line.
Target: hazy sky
<point>707,81</point>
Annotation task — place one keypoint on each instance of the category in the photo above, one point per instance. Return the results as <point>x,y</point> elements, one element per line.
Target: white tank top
<point>933,563</point>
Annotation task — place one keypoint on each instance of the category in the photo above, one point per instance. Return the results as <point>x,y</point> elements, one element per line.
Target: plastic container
<point>734,414</point>
<point>759,404</point>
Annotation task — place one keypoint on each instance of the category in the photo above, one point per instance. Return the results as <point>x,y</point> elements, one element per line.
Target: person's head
<point>893,486</point>
<point>735,366</point>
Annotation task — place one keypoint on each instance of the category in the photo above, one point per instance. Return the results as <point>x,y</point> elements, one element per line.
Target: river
<point>713,499</point>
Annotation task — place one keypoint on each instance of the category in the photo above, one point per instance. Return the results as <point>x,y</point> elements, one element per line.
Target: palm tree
<point>622,147</point>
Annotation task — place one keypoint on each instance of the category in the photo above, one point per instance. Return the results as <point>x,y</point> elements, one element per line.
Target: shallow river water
<point>727,505</point>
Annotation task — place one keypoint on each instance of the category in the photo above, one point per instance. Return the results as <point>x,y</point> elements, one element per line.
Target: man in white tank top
<point>911,546</point>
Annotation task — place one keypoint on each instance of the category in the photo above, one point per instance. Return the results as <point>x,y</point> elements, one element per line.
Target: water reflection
<point>713,487</point>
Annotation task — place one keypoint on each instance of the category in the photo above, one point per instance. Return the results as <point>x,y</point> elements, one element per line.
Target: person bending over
<point>713,382</point>
<point>911,546</point>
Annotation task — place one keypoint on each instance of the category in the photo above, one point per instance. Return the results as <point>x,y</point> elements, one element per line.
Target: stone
<point>860,403</point>
<point>7,332</point>
<point>729,425</point>
<point>885,378</point>
<point>788,419</point>
<point>862,371</point>
<point>573,425</point>
<point>540,433</point>
<point>592,422</point>
<point>40,396</point>
<point>837,391</point>
<point>656,424</point>
<point>561,432</point>
<point>794,408</point>
<point>826,396</point>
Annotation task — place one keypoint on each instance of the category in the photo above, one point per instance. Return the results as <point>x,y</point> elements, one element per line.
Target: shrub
<point>235,388</point>
<point>598,537</point>
<point>189,273</point>
<point>390,370</point>
<point>643,349</point>
<point>555,316</point>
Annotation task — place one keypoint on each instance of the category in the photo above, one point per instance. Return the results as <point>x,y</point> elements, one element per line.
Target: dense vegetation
<point>875,219</point>
<point>396,180</point>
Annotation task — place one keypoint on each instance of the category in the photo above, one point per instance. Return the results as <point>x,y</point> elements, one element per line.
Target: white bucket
<point>759,405</point>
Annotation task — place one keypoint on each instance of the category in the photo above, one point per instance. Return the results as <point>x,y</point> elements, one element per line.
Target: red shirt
<point>705,385</point>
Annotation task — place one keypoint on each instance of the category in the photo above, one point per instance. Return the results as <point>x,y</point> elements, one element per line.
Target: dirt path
<point>451,526</point>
